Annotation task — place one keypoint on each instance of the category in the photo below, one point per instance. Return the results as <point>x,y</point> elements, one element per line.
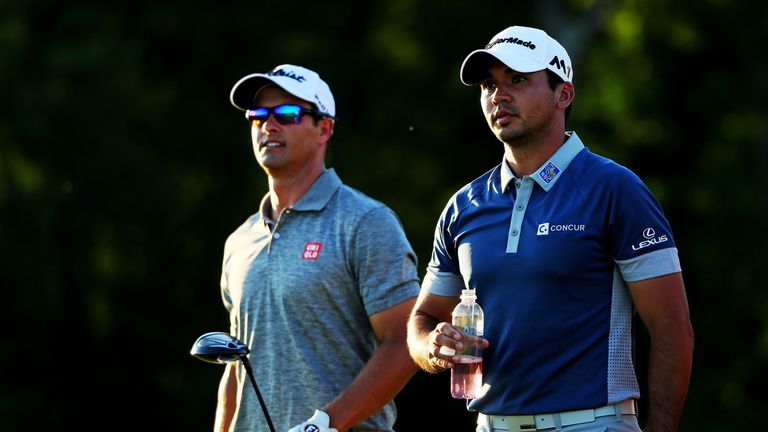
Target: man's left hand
<point>319,422</point>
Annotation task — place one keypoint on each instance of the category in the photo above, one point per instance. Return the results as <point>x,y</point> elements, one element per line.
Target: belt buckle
<point>519,423</point>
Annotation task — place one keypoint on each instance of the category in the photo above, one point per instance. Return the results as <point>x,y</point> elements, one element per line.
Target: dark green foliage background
<point>123,168</point>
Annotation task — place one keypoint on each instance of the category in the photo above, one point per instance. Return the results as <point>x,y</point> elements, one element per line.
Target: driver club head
<point>219,348</point>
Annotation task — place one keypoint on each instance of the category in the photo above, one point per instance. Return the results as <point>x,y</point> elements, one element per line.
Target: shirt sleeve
<point>641,237</point>
<point>443,275</point>
<point>650,265</point>
<point>383,260</point>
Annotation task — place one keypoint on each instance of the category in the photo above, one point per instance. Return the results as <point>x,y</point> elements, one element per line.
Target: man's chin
<point>508,136</point>
<point>268,163</point>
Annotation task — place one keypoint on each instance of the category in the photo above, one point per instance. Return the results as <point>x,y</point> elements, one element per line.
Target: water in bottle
<point>467,374</point>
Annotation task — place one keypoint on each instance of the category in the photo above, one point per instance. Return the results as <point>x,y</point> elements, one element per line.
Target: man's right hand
<point>445,341</point>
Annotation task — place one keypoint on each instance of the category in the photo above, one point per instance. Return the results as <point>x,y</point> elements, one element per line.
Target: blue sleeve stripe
<point>443,283</point>
<point>650,265</point>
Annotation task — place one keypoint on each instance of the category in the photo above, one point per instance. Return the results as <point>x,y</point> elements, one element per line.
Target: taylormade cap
<point>296,80</point>
<point>523,49</point>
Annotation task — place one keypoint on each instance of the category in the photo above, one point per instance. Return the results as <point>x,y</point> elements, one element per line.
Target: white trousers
<point>628,423</point>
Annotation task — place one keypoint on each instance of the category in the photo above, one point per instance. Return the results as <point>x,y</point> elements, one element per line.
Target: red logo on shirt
<point>311,251</point>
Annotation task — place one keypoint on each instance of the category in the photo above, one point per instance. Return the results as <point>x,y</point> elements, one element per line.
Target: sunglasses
<point>284,114</point>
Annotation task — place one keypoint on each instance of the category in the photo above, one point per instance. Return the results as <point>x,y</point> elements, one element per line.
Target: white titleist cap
<point>296,80</point>
<point>523,49</point>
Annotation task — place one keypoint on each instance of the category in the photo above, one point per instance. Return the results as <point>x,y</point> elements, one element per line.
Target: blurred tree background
<point>123,168</point>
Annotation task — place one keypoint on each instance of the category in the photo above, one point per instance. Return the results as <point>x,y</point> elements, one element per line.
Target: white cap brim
<point>474,69</point>
<point>244,91</point>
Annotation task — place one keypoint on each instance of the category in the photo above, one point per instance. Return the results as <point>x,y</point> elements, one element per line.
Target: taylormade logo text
<point>512,40</point>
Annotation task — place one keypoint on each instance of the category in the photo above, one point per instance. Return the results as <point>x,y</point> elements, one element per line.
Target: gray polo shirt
<point>300,295</point>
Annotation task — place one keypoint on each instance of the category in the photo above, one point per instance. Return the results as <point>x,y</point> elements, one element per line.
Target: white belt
<point>530,423</point>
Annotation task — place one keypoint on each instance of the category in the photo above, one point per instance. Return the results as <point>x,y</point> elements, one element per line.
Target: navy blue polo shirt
<point>549,256</point>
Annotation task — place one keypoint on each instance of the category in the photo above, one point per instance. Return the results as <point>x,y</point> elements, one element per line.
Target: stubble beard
<point>516,138</point>
<point>524,136</point>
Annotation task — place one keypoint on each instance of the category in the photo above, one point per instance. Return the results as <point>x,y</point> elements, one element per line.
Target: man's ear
<point>565,96</point>
<point>326,126</point>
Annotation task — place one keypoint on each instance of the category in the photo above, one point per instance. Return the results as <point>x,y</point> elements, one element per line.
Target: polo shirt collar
<point>320,192</point>
<point>548,174</point>
<point>314,199</point>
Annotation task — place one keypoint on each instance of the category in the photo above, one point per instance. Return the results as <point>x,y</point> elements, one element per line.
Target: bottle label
<point>471,336</point>
<point>464,324</point>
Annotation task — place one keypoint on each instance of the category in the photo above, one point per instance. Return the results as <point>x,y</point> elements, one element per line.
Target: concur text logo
<point>546,228</point>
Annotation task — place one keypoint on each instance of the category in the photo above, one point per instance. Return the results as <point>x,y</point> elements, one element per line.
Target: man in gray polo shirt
<point>318,283</point>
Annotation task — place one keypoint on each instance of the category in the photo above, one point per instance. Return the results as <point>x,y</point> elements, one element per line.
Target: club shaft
<point>248,369</point>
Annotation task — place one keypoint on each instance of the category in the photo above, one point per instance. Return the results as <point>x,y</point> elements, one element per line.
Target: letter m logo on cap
<point>560,64</point>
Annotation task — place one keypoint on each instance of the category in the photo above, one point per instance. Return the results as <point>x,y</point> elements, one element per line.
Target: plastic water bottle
<point>467,375</point>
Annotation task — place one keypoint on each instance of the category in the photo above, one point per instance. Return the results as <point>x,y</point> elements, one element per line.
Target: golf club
<point>222,348</point>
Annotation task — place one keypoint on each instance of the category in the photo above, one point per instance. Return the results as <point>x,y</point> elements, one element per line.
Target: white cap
<point>296,80</point>
<point>523,49</point>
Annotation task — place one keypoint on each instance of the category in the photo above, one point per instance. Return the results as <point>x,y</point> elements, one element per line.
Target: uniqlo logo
<point>311,251</point>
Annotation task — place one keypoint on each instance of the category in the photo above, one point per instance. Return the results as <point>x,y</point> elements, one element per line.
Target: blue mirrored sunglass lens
<point>288,110</point>
<point>259,114</point>
<point>284,114</point>
<point>287,113</point>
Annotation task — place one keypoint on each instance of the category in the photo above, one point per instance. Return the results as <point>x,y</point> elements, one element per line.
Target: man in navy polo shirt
<point>561,246</point>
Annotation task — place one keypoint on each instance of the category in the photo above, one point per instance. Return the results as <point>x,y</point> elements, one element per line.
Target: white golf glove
<point>319,422</point>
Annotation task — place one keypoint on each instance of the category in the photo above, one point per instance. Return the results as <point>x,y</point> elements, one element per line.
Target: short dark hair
<point>553,80</point>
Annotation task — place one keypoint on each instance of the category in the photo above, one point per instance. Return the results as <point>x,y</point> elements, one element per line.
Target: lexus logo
<point>649,233</point>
